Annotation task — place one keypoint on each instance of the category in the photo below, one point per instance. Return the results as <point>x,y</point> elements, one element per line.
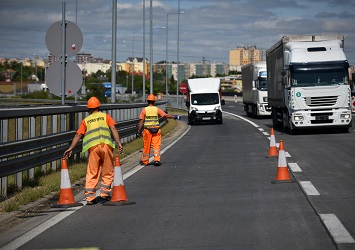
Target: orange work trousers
<point>100,162</point>
<point>151,140</point>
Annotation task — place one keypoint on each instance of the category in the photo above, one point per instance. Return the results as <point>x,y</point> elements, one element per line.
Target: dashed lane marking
<point>336,229</point>
<point>308,188</point>
<point>294,167</point>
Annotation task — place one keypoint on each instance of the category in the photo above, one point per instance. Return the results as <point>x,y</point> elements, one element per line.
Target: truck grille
<point>320,101</point>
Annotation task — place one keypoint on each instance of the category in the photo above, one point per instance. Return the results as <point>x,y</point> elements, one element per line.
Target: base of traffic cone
<point>76,204</point>
<point>282,181</point>
<point>119,203</point>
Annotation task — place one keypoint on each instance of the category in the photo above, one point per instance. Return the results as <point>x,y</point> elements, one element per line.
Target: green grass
<point>47,184</point>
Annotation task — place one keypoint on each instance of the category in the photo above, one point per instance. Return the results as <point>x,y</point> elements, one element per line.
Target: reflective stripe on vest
<point>151,117</point>
<point>97,131</point>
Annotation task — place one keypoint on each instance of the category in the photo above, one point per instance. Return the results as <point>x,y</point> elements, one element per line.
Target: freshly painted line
<point>40,229</point>
<point>336,229</point>
<point>308,187</point>
<point>265,133</point>
<point>240,117</point>
<point>287,154</point>
<point>294,167</point>
<point>261,129</point>
<point>139,167</point>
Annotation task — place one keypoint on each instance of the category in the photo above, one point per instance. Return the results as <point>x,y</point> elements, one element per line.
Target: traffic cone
<point>272,149</point>
<point>119,196</point>
<point>66,197</point>
<point>282,170</point>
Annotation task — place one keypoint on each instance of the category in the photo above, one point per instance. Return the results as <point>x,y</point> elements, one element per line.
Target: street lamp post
<point>166,49</point>
<point>133,63</point>
<point>177,61</point>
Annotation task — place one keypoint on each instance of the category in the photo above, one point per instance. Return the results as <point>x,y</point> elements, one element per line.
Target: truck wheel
<point>275,124</point>
<point>190,120</point>
<point>255,112</point>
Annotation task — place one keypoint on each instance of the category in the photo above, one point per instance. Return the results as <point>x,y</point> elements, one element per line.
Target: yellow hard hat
<point>93,102</point>
<point>151,97</point>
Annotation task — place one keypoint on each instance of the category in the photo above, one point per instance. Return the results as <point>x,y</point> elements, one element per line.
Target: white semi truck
<point>254,85</point>
<point>308,83</point>
<point>204,100</point>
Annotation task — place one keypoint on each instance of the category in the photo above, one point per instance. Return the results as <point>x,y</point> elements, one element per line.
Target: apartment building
<point>244,55</point>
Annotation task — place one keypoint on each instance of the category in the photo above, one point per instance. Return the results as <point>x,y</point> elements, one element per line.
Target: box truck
<point>254,85</point>
<point>204,100</point>
<point>308,83</point>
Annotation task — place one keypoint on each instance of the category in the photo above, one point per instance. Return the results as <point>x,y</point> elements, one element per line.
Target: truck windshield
<point>205,99</point>
<point>262,83</point>
<point>319,75</point>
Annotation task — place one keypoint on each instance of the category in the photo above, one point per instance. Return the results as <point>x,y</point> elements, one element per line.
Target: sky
<point>206,30</point>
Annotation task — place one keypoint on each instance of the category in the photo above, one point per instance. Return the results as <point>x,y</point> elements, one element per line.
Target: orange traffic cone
<point>119,196</point>
<point>66,197</point>
<point>282,170</point>
<point>272,149</point>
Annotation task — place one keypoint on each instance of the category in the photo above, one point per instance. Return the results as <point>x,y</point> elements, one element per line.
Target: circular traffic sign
<point>183,88</point>
<point>73,43</point>
<point>73,78</point>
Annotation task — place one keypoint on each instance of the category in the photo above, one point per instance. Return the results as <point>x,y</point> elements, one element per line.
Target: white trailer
<point>254,83</point>
<point>204,100</point>
<point>308,83</point>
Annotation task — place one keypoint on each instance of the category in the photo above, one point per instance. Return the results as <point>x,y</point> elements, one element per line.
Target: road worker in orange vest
<point>97,129</point>
<point>149,126</point>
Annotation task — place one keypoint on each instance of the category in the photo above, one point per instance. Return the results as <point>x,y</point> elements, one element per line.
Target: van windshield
<point>205,99</point>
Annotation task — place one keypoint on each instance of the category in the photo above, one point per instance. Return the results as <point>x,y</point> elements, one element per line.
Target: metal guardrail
<point>33,136</point>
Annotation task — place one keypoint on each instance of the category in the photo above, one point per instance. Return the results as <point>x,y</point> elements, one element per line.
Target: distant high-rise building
<point>84,58</point>
<point>244,55</point>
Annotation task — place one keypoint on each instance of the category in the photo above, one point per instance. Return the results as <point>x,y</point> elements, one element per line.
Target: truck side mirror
<point>223,102</point>
<point>253,85</point>
<point>187,104</point>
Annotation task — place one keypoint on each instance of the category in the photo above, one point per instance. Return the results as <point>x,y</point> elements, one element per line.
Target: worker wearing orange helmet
<point>149,126</point>
<point>97,141</point>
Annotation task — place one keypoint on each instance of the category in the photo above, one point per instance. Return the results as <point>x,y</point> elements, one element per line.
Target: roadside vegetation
<point>42,186</point>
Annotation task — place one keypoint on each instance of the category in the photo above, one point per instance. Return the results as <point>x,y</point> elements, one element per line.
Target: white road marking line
<point>240,117</point>
<point>336,229</point>
<point>287,154</point>
<point>16,243</point>
<point>265,133</point>
<point>294,167</point>
<point>308,187</point>
<point>261,129</point>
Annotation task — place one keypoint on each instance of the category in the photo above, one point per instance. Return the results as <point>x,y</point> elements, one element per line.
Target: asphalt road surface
<point>214,190</point>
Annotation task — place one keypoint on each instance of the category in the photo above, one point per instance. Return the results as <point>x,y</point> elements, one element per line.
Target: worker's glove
<point>139,134</point>
<point>177,117</point>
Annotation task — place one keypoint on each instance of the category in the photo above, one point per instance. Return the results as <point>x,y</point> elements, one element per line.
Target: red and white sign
<point>183,88</point>
<point>353,101</point>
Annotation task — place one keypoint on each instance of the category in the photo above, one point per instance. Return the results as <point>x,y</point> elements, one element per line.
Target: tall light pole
<point>133,63</point>
<point>151,47</point>
<point>166,49</point>
<point>143,96</point>
<point>177,60</point>
<point>113,55</point>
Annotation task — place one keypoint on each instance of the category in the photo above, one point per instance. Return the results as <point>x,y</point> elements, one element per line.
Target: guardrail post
<point>31,134</point>
<point>54,130</point>
<point>19,136</point>
<point>44,122</point>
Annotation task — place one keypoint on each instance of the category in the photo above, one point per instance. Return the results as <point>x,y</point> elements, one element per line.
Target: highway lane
<point>213,191</point>
<point>325,170</point>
